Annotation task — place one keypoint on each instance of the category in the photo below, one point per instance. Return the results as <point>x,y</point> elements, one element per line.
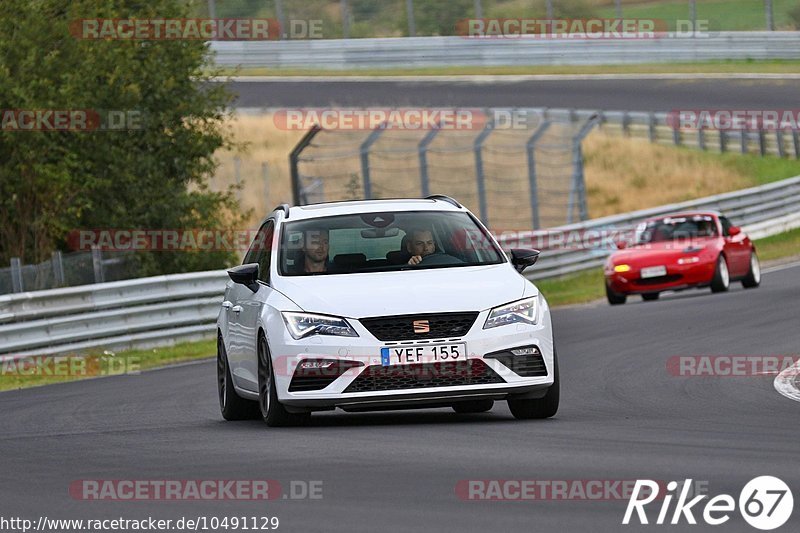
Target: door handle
<point>226,305</point>
<point>236,308</point>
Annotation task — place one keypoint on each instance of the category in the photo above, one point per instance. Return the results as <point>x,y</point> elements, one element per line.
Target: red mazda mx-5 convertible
<point>680,251</point>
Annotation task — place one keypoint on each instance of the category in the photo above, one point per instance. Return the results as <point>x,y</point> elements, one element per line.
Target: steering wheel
<point>436,259</point>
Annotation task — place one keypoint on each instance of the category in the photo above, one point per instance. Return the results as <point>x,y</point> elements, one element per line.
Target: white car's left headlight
<point>522,312</point>
<point>302,325</point>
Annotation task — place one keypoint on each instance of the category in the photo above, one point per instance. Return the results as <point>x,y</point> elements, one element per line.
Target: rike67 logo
<point>765,503</point>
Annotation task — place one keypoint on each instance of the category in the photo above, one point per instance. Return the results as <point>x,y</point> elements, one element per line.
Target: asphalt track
<point>622,417</point>
<point>608,94</point>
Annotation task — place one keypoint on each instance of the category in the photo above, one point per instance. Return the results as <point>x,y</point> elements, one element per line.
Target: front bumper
<point>366,349</point>
<point>678,277</point>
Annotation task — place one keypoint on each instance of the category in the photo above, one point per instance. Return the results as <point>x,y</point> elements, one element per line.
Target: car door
<point>249,305</point>
<point>736,249</point>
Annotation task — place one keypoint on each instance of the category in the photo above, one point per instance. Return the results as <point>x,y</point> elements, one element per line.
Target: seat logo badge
<point>422,326</point>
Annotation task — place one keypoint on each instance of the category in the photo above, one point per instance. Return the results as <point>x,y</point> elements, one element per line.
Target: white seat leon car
<point>382,304</point>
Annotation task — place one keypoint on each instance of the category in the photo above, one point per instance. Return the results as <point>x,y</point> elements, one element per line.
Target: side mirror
<point>522,259</point>
<point>734,230</point>
<point>246,275</point>
<point>621,244</point>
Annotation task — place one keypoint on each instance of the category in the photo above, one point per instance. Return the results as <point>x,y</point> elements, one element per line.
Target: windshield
<point>676,228</point>
<point>373,242</point>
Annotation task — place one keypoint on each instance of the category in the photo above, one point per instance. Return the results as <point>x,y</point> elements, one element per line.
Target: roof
<point>369,206</point>
<point>703,212</point>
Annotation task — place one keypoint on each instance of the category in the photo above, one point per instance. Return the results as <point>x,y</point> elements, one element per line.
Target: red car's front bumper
<point>677,277</point>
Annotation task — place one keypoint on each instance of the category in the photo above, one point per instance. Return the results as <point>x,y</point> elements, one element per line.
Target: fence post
<point>412,28</point>
<point>97,264</point>
<point>237,174</point>
<point>701,138</point>
<point>626,121</point>
<point>56,259</point>
<point>769,15</point>
<point>578,187</point>
<point>345,19</point>
<point>533,186</point>
<point>17,284</point>
<point>762,143</point>
<point>425,185</point>
<point>676,134</point>
<point>651,127</point>
<point>294,158</point>
<point>743,137</point>
<point>364,151</point>
<point>478,9</point>
<point>281,20</point>
<point>796,142</point>
<point>779,140</point>
<point>480,178</point>
<point>723,141</point>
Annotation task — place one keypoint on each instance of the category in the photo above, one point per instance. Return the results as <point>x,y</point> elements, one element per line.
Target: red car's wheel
<point>722,278</point>
<point>753,277</point>
<point>613,297</point>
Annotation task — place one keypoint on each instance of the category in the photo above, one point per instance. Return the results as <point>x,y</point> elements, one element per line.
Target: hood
<point>436,290</point>
<point>663,249</point>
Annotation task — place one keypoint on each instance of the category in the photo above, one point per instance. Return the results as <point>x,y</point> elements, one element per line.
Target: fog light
<point>528,350</point>
<point>688,260</point>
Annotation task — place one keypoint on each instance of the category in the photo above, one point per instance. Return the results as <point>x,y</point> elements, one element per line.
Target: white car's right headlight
<point>301,325</point>
<point>522,311</point>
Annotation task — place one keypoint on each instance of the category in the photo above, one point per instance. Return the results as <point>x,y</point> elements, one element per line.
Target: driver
<point>420,243</point>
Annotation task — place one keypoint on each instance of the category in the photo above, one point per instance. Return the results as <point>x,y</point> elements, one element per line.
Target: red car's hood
<point>664,250</point>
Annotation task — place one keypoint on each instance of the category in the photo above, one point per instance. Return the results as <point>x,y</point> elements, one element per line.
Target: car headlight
<point>622,268</point>
<point>302,325</point>
<point>522,311</point>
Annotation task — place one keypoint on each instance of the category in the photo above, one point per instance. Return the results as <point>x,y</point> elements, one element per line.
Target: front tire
<point>272,411</point>
<point>614,298</point>
<point>544,407</point>
<point>722,277</point>
<point>753,277</point>
<point>473,406</point>
<point>231,405</point>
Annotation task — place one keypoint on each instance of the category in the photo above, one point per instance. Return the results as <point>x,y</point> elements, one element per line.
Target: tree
<point>152,176</point>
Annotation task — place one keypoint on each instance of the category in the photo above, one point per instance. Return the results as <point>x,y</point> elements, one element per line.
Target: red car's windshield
<point>674,228</point>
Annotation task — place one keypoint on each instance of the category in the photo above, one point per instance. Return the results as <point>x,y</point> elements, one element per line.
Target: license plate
<point>654,272</point>
<point>423,353</point>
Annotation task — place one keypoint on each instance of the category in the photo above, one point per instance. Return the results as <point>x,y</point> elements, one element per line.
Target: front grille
<point>442,374</point>
<point>306,379</point>
<point>401,327</point>
<point>526,366</point>
<point>659,280</point>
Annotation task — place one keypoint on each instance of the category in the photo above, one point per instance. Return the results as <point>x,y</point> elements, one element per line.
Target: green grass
<point>589,285</point>
<point>721,67</point>
<point>759,170</point>
<point>102,364</point>
<point>727,15</point>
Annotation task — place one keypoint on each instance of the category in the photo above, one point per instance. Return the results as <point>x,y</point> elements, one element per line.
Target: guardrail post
<point>294,158</point>
<point>422,148</point>
<point>533,188</point>
<point>17,285</point>
<point>796,142</point>
<point>97,264</point>
<point>651,127</point>
<point>779,140</point>
<point>577,191</point>
<point>479,177</point>
<point>364,151</point>
<point>57,261</point>
<point>762,142</point>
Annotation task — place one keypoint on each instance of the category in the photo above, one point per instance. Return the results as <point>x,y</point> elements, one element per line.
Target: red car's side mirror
<point>621,245</point>
<point>734,230</point>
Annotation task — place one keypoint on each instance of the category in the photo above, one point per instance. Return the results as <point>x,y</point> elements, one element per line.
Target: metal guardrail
<point>413,52</point>
<point>762,211</point>
<point>161,310</point>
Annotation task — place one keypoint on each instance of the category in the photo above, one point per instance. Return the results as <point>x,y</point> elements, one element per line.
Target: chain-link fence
<point>514,174</point>
<point>68,270</point>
